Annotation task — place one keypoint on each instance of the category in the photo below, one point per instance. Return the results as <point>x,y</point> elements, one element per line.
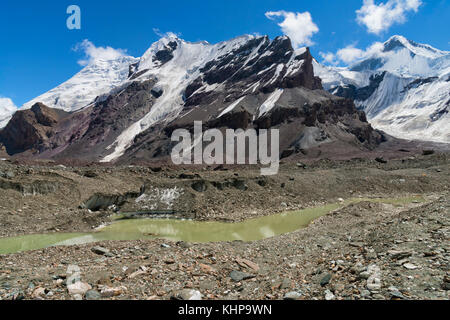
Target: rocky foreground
<point>366,250</point>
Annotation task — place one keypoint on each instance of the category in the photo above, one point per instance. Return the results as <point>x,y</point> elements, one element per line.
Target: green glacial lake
<point>187,230</point>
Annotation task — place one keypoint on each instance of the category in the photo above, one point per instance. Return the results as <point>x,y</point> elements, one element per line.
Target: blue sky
<point>37,48</point>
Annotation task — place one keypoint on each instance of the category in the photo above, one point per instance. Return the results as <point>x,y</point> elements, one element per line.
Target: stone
<point>373,283</point>
<point>446,283</point>
<point>325,279</point>
<point>169,261</point>
<point>286,284</point>
<point>374,280</point>
<point>247,264</point>
<point>78,288</point>
<point>293,295</point>
<point>329,295</point>
<point>365,293</point>
<point>108,292</point>
<point>136,274</point>
<point>364,275</point>
<point>188,294</point>
<point>240,184</point>
<point>100,250</point>
<point>395,293</point>
<point>184,245</point>
<point>77,297</point>
<point>10,174</point>
<point>358,268</point>
<point>206,268</point>
<point>398,254</point>
<point>38,292</point>
<point>200,186</point>
<point>93,295</point>
<point>410,266</point>
<point>301,165</point>
<point>239,276</point>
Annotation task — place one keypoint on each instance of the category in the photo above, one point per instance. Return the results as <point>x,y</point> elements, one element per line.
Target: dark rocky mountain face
<point>352,92</point>
<point>31,129</point>
<point>270,67</point>
<point>307,128</point>
<point>259,84</point>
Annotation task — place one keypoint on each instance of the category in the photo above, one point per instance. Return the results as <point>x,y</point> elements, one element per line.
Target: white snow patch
<point>154,197</point>
<point>270,102</point>
<point>293,67</point>
<point>231,106</point>
<point>253,87</point>
<point>277,73</point>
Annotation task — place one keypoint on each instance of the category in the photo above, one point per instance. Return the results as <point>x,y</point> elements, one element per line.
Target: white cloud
<point>93,53</point>
<point>328,57</point>
<point>351,54</point>
<point>299,27</point>
<point>380,17</point>
<point>168,34</point>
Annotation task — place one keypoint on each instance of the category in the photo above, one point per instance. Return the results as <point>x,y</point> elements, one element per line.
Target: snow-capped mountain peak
<point>399,42</point>
<point>404,87</point>
<point>96,79</point>
<point>176,63</point>
<point>404,57</point>
<point>7,109</point>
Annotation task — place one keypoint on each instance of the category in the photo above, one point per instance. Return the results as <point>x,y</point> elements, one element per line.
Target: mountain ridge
<point>247,82</point>
<point>410,98</point>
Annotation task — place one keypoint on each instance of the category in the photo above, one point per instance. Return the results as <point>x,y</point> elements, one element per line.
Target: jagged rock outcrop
<point>31,129</point>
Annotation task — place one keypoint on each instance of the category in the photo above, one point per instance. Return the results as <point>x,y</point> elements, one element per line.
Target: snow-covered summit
<point>176,63</point>
<point>399,42</point>
<point>403,86</point>
<point>7,109</point>
<point>404,57</point>
<point>96,79</point>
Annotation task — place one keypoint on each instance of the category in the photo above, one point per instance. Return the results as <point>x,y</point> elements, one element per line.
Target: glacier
<point>413,99</point>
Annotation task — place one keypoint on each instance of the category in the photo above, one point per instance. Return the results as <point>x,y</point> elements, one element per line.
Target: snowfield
<point>413,99</point>
<point>95,80</point>
<point>7,109</point>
